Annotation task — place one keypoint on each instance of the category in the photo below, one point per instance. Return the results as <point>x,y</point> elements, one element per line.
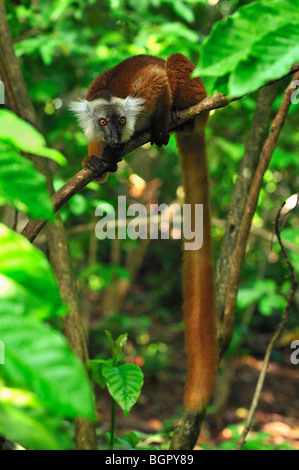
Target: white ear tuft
<point>84,112</point>
<point>82,109</point>
<point>133,106</point>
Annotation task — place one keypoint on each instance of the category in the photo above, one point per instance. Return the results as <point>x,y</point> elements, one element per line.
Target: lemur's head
<point>108,118</point>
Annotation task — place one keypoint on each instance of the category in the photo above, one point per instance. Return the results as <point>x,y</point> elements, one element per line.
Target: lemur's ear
<point>84,112</point>
<point>133,106</point>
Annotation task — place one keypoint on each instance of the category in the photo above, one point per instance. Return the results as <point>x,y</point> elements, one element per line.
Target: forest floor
<point>276,421</point>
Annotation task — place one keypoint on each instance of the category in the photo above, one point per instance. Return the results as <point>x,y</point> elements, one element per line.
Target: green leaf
<point>120,343</point>
<point>111,343</point>
<point>269,58</point>
<point>23,186</point>
<point>124,383</point>
<point>232,40</point>
<point>38,358</point>
<point>45,44</point>
<point>96,367</point>
<point>28,284</point>
<point>127,442</point>
<point>25,137</point>
<point>25,420</point>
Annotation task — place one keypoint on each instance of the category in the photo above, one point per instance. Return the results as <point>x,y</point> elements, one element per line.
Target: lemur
<point>144,92</point>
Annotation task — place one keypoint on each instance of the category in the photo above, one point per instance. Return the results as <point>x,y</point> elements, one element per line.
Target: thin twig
<point>234,276</point>
<point>258,133</point>
<point>275,337</point>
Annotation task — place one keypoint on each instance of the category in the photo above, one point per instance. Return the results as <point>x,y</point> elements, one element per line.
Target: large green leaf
<point>231,40</point>
<point>39,359</point>
<point>22,135</point>
<point>255,44</point>
<point>22,185</point>
<point>28,284</point>
<point>124,383</point>
<point>269,58</point>
<point>25,420</point>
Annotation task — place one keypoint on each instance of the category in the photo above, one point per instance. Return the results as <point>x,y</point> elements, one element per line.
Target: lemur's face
<point>108,118</point>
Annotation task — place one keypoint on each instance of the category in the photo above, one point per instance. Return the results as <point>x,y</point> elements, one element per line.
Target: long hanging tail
<point>198,280</point>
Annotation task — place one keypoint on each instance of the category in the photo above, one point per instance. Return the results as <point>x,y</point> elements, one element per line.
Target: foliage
<point>23,136</point>
<point>20,183</point>
<point>261,37</point>
<point>124,381</point>
<point>28,283</point>
<point>24,419</point>
<point>44,379</point>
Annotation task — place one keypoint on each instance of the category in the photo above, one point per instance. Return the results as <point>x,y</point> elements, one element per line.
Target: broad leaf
<point>39,359</point>
<point>231,40</point>
<point>22,135</point>
<point>282,51</point>
<point>27,282</point>
<point>96,367</point>
<point>124,383</point>
<point>22,185</point>
<point>252,39</point>
<point>25,420</point>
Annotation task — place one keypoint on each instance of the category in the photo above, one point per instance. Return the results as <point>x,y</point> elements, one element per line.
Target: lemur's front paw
<point>159,138</point>
<point>96,164</point>
<point>109,159</point>
<point>93,163</point>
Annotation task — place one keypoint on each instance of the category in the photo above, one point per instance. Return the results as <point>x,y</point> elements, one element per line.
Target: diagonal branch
<point>85,176</point>
<point>234,276</point>
<point>258,133</point>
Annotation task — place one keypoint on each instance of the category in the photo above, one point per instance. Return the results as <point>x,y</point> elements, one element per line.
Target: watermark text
<point>159,221</point>
<point>295,354</point>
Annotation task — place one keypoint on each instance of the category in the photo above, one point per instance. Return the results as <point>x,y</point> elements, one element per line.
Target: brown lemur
<point>141,93</point>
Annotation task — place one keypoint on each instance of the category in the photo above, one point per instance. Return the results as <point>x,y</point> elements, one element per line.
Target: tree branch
<point>85,176</point>
<point>238,256</point>
<point>258,132</point>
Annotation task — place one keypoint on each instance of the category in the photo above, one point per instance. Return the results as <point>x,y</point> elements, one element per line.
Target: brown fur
<point>199,296</point>
<point>167,85</point>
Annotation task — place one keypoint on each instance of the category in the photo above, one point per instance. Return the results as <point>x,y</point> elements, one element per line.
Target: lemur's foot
<point>159,138</point>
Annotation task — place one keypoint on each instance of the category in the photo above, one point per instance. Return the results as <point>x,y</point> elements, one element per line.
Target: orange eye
<point>122,120</point>
<point>102,122</point>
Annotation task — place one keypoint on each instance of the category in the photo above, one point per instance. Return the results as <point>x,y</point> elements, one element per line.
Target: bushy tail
<point>199,292</point>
